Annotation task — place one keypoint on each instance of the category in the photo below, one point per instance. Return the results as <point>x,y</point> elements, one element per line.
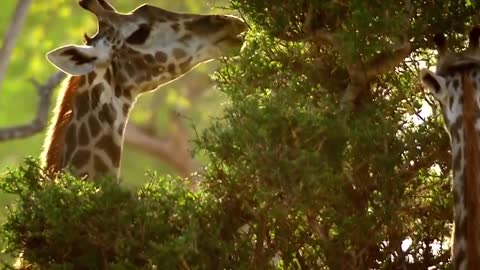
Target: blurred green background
<point>50,24</point>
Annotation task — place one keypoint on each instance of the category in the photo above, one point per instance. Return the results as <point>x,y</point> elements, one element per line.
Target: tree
<point>324,149</point>
<point>324,158</point>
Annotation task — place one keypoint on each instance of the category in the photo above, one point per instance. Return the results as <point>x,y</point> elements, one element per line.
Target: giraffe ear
<point>434,83</point>
<point>74,60</point>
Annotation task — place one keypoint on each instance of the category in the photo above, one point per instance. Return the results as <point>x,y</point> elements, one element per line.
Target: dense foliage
<point>327,178</point>
<point>323,159</point>
<point>67,223</point>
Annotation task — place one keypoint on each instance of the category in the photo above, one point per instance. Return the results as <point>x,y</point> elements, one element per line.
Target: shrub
<point>68,223</point>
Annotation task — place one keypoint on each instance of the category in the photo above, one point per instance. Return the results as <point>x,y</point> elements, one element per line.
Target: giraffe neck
<point>87,136</point>
<point>466,185</point>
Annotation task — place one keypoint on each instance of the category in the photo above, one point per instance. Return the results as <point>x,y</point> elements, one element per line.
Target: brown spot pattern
<point>118,91</point>
<point>129,68</point>
<point>94,125</point>
<point>82,80</point>
<point>125,109</point>
<point>81,105</point>
<point>80,158</point>
<point>179,53</point>
<point>155,72</point>
<point>91,77</point>
<point>128,92</point>
<point>161,57</point>
<point>455,129</point>
<point>171,69</point>
<point>142,78</point>
<point>106,114</point>
<point>457,158</point>
<point>107,144</point>
<point>120,129</point>
<point>100,165</point>
<point>460,232</point>
<point>176,27</point>
<point>139,63</point>
<point>121,78</point>
<point>95,95</point>
<point>83,137</point>
<point>108,76</point>
<point>185,66</point>
<point>114,68</point>
<point>149,59</point>
<point>185,38</point>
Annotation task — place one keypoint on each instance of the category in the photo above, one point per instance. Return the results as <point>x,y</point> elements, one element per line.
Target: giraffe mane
<point>53,148</point>
<point>471,188</point>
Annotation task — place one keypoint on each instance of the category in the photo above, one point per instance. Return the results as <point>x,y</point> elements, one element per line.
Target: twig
<point>12,34</point>
<point>165,149</point>
<point>184,264</point>
<point>362,74</point>
<point>40,121</point>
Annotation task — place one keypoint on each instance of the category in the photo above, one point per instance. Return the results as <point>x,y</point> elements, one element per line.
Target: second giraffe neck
<point>466,157</point>
<point>88,140</point>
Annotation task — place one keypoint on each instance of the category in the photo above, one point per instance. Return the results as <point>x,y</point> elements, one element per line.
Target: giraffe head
<point>456,86</point>
<point>148,46</point>
<point>445,84</point>
<point>130,54</point>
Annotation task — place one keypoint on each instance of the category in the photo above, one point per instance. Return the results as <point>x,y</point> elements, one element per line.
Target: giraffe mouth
<point>231,41</point>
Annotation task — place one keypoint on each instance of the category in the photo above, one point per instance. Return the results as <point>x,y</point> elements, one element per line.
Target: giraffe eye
<point>140,35</point>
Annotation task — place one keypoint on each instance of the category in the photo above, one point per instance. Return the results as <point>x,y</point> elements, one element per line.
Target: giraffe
<point>456,86</point>
<point>130,54</point>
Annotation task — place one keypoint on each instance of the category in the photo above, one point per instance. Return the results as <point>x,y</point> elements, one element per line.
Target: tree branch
<point>317,36</point>
<point>358,83</point>
<point>386,61</point>
<point>40,121</point>
<point>12,34</point>
<point>173,148</point>
<point>165,149</point>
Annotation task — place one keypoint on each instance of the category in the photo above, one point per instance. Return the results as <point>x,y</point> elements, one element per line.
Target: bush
<point>67,223</point>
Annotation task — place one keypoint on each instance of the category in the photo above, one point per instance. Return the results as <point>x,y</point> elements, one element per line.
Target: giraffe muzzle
<point>234,35</point>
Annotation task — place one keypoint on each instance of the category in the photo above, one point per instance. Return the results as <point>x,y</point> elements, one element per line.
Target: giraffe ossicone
<point>130,54</point>
<point>456,86</point>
